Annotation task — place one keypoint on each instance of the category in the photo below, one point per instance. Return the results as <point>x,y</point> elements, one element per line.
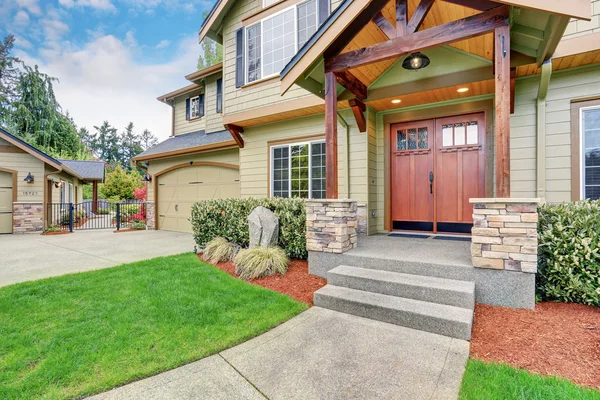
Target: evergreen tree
<point>147,140</point>
<point>212,52</point>
<point>130,146</point>
<point>106,142</point>
<point>9,79</point>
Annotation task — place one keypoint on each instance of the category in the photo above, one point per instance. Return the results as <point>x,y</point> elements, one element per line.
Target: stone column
<point>331,225</point>
<point>28,217</point>
<point>150,215</point>
<point>361,219</point>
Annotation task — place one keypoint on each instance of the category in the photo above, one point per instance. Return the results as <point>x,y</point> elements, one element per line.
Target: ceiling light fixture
<point>396,101</point>
<point>462,90</point>
<point>415,62</point>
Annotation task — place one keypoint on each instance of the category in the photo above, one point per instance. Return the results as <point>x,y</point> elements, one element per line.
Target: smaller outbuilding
<point>31,180</point>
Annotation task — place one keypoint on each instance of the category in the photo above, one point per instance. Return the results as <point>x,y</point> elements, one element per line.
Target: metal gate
<point>107,215</point>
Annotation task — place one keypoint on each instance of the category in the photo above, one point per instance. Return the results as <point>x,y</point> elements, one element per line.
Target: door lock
<point>431,182</point>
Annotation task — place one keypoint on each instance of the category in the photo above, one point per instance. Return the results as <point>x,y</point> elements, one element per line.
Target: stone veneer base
<point>28,217</point>
<point>150,215</point>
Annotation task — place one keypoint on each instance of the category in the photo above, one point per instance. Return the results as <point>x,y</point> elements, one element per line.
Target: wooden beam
<point>384,25</point>
<point>555,28</point>
<point>502,115</point>
<point>358,109</point>
<point>352,83</point>
<point>331,151</point>
<point>466,28</point>
<point>479,5</point>
<point>355,26</point>
<point>580,9</point>
<point>526,31</point>
<point>401,17</point>
<point>513,85</point>
<point>419,16</point>
<point>524,50</point>
<point>236,134</point>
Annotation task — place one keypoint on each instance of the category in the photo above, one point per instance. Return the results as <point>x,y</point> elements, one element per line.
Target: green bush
<point>103,211</point>
<point>260,261</point>
<point>219,249</point>
<point>569,259</point>
<point>228,218</point>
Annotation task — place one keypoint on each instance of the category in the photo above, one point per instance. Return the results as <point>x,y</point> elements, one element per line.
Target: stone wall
<point>504,234</point>
<point>150,215</point>
<point>331,225</point>
<point>361,219</point>
<point>28,217</point>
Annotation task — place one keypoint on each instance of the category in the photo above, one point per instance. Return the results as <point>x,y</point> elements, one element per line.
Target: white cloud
<point>163,43</point>
<point>54,29</point>
<point>21,18</point>
<point>105,80</point>
<point>30,5</point>
<point>102,5</point>
<point>22,43</point>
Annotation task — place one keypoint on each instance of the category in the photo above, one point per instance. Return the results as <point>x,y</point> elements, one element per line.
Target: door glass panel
<point>412,139</point>
<point>423,144</point>
<point>401,140</point>
<point>447,139</point>
<point>459,134</point>
<point>472,133</point>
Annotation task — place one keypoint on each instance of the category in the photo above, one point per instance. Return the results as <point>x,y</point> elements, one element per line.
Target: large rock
<point>264,227</point>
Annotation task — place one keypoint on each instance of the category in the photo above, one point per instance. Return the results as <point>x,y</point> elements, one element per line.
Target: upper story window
<point>272,42</point>
<point>219,95</point>
<point>194,107</point>
<point>590,145</point>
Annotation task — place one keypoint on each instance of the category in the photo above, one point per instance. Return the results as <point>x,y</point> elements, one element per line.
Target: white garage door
<point>6,202</point>
<point>178,190</point>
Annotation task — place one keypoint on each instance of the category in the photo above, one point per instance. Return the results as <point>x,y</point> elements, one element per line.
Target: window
<point>590,163</point>
<point>298,170</point>
<point>272,42</point>
<point>195,107</point>
<point>412,139</point>
<point>219,95</point>
<point>460,134</point>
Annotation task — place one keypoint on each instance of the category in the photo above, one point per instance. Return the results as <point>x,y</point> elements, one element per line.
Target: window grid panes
<point>307,21</point>
<point>253,56</point>
<point>278,41</point>
<point>591,148</point>
<point>412,139</point>
<point>460,134</point>
<point>401,140</point>
<point>195,107</point>
<point>298,170</point>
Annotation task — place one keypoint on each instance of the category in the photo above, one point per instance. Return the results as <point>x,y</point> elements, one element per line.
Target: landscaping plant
<point>569,259</point>
<point>260,261</point>
<point>219,249</point>
<point>228,218</point>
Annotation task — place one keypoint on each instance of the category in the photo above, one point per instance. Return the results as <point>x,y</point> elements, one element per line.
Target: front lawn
<point>81,334</point>
<point>500,382</point>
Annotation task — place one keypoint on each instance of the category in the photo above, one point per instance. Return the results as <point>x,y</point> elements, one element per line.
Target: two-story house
<point>410,107</point>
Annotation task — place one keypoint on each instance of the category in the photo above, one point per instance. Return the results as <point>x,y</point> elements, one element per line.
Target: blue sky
<point>112,57</point>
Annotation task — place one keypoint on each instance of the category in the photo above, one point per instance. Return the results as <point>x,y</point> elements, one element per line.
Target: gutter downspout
<point>541,128</point>
<point>346,154</point>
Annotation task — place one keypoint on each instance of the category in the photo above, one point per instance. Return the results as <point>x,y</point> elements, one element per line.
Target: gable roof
<point>187,143</point>
<point>88,170</point>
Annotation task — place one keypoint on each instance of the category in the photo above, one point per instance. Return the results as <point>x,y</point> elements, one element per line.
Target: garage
<point>178,188</point>
<point>6,202</point>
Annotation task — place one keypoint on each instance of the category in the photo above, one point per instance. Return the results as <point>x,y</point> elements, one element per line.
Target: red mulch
<point>128,230</point>
<point>53,233</point>
<point>554,339</point>
<point>296,283</point>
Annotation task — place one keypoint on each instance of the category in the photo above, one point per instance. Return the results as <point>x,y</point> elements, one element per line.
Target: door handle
<point>176,207</point>
<point>431,182</point>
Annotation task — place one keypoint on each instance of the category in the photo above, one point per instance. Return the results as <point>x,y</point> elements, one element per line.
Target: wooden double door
<point>437,166</point>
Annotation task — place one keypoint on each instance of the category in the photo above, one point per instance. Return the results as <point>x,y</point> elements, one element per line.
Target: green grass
<point>502,382</point>
<point>85,333</point>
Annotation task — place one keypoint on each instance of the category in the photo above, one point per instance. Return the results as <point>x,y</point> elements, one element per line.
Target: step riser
<point>410,267</point>
<point>455,329</point>
<point>430,294</point>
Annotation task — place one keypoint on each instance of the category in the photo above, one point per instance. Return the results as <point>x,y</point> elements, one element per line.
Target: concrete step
<point>417,287</point>
<point>383,262</point>
<point>430,317</point>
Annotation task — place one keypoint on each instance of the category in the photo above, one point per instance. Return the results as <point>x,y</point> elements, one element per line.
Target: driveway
<point>32,256</point>
<point>320,354</point>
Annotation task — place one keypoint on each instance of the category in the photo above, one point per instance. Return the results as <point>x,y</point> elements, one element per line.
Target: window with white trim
<point>298,170</point>
<point>272,42</point>
<point>195,107</point>
<point>590,162</point>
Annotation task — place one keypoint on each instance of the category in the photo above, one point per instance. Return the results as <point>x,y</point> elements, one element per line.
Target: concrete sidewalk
<point>33,256</point>
<point>320,354</point>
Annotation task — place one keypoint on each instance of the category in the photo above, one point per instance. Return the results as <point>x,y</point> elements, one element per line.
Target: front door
<point>437,166</point>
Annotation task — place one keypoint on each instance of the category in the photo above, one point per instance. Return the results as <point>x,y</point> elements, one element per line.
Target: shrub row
<point>228,218</point>
<point>569,259</point>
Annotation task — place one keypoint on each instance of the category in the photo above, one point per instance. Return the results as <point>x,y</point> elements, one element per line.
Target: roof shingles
<point>185,141</point>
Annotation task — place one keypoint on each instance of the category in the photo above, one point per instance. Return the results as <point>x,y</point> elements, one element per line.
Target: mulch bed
<point>54,233</point>
<point>296,283</point>
<point>554,339</point>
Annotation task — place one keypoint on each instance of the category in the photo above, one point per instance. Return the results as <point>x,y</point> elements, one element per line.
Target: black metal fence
<point>107,215</point>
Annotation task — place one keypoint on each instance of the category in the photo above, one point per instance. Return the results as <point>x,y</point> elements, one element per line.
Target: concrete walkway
<point>33,256</point>
<point>320,354</point>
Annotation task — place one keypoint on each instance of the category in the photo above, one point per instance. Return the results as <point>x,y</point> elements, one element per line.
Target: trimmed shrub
<point>219,249</point>
<point>260,261</point>
<point>103,211</point>
<point>228,218</point>
<point>569,259</point>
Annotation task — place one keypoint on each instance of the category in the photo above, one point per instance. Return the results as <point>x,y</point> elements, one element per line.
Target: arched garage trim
<point>179,166</point>
<point>14,181</point>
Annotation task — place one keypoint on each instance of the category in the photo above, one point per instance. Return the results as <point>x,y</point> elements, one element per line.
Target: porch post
<point>331,154</point>
<point>95,197</point>
<point>502,103</point>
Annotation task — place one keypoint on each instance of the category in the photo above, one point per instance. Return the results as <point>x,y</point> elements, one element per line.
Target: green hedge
<point>569,259</point>
<point>228,218</point>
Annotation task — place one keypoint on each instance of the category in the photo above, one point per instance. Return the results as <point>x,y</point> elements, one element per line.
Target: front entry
<point>437,166</point>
